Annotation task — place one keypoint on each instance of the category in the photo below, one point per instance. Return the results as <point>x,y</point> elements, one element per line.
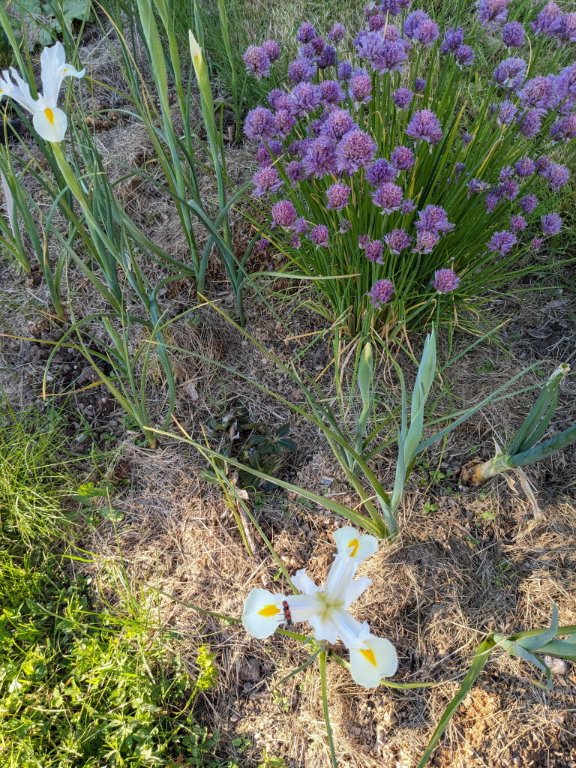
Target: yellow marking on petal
<point>353,545</point>
<point>49,115</point>
<point>268,610</point>
<point>369,655</point>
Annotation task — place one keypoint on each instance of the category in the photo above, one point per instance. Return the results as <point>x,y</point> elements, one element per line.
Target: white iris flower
<point>326,610</point>
<point>48,119</point>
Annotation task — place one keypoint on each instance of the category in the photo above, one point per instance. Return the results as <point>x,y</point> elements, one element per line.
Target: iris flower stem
<point>325,708</point>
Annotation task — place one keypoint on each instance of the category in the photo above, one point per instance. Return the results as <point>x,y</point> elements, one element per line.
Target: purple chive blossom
<point>427,32</point>
<point>394,7</point>
<point>424,125</point>
<point>420,85</point>
<point>381,293</point>
<point>295,171</point>
<point>492,200</point>
<point>380,172</point>
<point>383,55</point>
<point>328,57</point>
<point>564,129</point>
<point>398,240</point>
<point>345,70</point>
<point>530,123</point>
<point>317,44</point>
<point>331,92</point>
<point>453,39</point>
<point>402,98</point>
<point>492,11</point>
<point>551,224</point>
<point>260,124</point>
<point>513,34</point>
<point>373,249</point>
<point>305,98</point>
<point>337,33</point>
<point>402,158</point>
<point>549,21</point>
<point>337,196</point>
<point>543,163</point>
<point>467,138</point>
<point>426,241</point>
<point>557,176</point>
<point>407,207</point>
<point>476,186</point>
<point>536,243</point>
<point>272,48</point>
<point>301,70</point>
<point>320,157</point>
<point>507,112</point>
<point>389,197</point>
<point>337,124</point>
<point>300,226</point>
<point>376,22</point>
<point>518,223</point>
<point>445,280</point>
<point>434,218</point>
<point>355,150</point>
<point>510,73</point>
<point>267,153</point>
<point>360,88</point>
<point>568,31</point>
<point>284,214</point>
<point>528,203</point>
<point>279,99</point>
<point>266,181</point>
<point>257,61</point>
<point>459,168</point>
<point>306,32</point>
<point>525,167</point>
<point>413,21</point>
<point>262,245</point>
<point>464,56</point>
<point>509,189</point>
<point>506,173</point>
<point>295,241</point>
<point>540,92</point>
<point>284,121</point>
<point>502,242</point>
<point>319,235</point>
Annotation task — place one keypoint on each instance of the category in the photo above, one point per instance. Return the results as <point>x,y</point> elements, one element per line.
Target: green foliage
<point>43,20</point>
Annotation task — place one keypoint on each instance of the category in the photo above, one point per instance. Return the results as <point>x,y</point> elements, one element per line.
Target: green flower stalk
<point>524,448</point>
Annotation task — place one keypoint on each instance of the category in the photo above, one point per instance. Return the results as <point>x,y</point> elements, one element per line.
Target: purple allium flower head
<point>266,180</point>
<point>284,214</point>
<point>301,70</point>
<point>542,164</point>
<point>506,173</point>
<point>306,32</point>
<point>402,98</point>
<point>424,125</point>
<point>383,55</point>
<point>567,33</point>
<point>267,153</point>
<point>295,171</point>
<point>300,226</point>
<point>257,61</point>
<point>376,22</point>
<point>337,33</point>
<point>262,245</point>
<point>319,235</point>
<point>318,44</point>
<point>445,280</point>
<point>338,195</point>
<point>509,189</point>
<point>284,121</point>
<point>507,112</point>
<point>388,196</point>
<point>540,92</point>
<point>380,172</point>
<point>492,11</point>
<point>492,200</point>
<point>426,241</point>
<point>551,224</point>
<point>398,240</point>
<point>360,88</point>
<point>295,241</point>
<point>320,157</point>
<point>464,56</point>
<point>279,99</point>
<point>407,207</point>
<point>260,124</point>
<point>307,51</point>
<point>453,39</point>
<point>373,249</point>
<point>518,223</point>
<point>420,85</point>
<point>305,98</point>
<point>331,92</point>
<point>502,242</point>
<point>355,150</point>
<point>402,158</point>
<point>345,70</point>
<point>525,167</point>
<point>567,80</point>
<point>476,186</point>
<point>536,243</point>
<point>381,293</point>
<point>433,218</point>
<point>427,32</point>
<point>510,73</point>
<point>413,21</point>
<point>328,57</point>
<point>528,203</point>
<point>549,21</point>
<point>394,7</point>
<point>272,48</point>
<point>459,168</point>
<point>467,138</point>
<point>513,34</point>
<point>337,123</point>
<point>530,123</point>
<point>557,176</point>
<point>564,129</point>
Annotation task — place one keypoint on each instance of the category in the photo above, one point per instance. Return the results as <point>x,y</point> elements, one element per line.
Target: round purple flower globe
<point>420,85</point>
<point>257,61</point>
<point>525,167</point>
<point>402,98</point>
<point>338,123</point>
<point>337,196</point>
<point>320,157</point>
<point>464,56</point>
<point>373,249</point>
<point>518,223</point>
<point>355,150</point>
<point>398,240</point>
<point>284,214</point>
<point>502,242</point>
<point>260,124</point>
<point>529,203</point>
<point>425,126</point>
<point>360,88</point>
<point>513,34</point>
<point>319,235</point>
<point>381,293</point>
<point>337,33</point>
<point>301,70</point>
<point>551,224</point>
<point>272,49</point>
<point>426,241</point>
<point>266,181</point>
<point>306,32</point>
<point>402,158</point>
<point>453,39</point>
<point>445,280</point>
<point>380,172</point>
<point>389,197</point>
